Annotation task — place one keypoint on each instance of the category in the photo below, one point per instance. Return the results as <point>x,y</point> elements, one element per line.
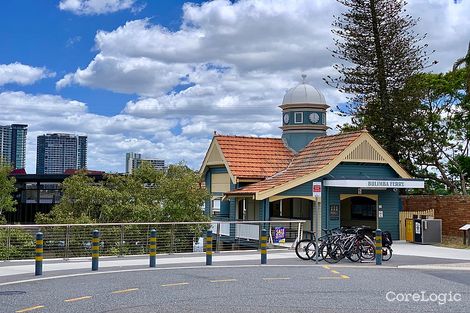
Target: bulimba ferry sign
<point>374,183</point>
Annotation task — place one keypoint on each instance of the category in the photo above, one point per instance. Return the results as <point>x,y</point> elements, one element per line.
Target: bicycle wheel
<point>386,253</point>
<point>311,251</point>
<point>366,250</point>
<point>331,253</point>
<point>354,255</point>
<point>301,249</point>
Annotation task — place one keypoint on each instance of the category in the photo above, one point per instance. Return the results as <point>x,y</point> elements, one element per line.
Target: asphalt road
<point>243,289</point>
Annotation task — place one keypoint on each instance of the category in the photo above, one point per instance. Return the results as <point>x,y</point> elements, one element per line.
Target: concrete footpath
<point>405,255</point>
<point>27,266</point>
<point>428,251</point>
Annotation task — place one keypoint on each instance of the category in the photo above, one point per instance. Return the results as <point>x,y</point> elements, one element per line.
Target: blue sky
<point>158,77</point>
<point>39,34</point>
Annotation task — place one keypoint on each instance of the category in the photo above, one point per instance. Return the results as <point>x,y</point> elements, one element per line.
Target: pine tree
<point>379,52</point>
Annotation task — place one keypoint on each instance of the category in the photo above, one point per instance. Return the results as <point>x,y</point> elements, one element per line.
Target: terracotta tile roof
<point>316,155</point>
<point>254,157</point>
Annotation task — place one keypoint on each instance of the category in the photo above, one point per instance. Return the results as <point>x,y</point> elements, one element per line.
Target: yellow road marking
<point>125,290</point>
<point>326,266</point>
<point>78,299</point>
<point>334,272</point>
<point>276,278</point>
<point>223,280</point>
<point>37,307</point>
<point>176,284</point>
<point>345,276</point>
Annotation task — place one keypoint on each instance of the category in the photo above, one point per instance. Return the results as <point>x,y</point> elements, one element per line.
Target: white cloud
<point>228,65</point>
<point>93,7</point>
<point>141,75</point>
<point>17,73</point>
<point>109,137</point>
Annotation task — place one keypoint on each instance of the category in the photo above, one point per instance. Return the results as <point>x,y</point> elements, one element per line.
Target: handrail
<point>149,223</point>
<point>74,240</point>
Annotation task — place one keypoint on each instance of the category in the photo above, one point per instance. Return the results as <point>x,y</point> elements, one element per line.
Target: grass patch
<point>453,242</point>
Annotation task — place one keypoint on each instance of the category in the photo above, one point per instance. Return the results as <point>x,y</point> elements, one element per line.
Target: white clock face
<point>286,118</point>
<point>314,118</point>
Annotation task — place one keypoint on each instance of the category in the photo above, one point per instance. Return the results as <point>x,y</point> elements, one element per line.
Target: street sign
<point>316,192</point>
<point>316,189</point>
<point>465,227</point>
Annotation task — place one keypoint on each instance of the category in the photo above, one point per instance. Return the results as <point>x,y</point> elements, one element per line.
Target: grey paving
<point>9,272</point>
<point>307,289</point>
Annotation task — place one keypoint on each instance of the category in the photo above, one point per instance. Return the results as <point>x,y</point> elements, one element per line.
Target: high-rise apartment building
<point>18,145</point>
<point>131,161</point>
<point>57,153</point>
<point>135,160</point>
<point>13,145</point>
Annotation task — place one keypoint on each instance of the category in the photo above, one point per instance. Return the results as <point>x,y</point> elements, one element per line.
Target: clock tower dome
<point>303,115</point>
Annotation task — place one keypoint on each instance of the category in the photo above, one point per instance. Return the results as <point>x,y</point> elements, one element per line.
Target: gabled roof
<point>318,158</point>
<point>250,157</point>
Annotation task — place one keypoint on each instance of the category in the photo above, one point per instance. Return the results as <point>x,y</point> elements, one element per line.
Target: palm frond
<point>457,63</point>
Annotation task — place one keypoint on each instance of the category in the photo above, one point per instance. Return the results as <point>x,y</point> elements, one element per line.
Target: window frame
<point>296,114</point>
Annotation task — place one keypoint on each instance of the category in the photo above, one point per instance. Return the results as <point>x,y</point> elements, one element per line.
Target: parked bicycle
<point>306,248</point>
<point>353,244</point>
<point>336,244</point>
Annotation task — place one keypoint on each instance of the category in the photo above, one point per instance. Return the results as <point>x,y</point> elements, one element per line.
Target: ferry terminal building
<point>252,178</point>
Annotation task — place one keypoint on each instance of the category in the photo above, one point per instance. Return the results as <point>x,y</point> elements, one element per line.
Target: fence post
<point>153,248</point>
<point>263,246</point>
<point>209,247</point>
<point>39,253</point>
<point>378,247</point>
<point>95,250</point>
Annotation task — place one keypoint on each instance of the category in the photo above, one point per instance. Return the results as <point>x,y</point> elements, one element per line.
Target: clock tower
<point>303,115</point>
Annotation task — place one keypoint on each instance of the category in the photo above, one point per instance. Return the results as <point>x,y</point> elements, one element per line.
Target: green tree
<point>437,139</point>
<point>148,195</point>
<point>80,203</point>
<point>7,188</point>
<point>378,52</point>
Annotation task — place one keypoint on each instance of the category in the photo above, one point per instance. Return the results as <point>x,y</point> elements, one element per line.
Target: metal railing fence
<point>121,239</point>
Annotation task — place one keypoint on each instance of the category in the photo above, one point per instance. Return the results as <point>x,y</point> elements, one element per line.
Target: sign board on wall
<point>316,189</point>
<point>334,212</point>
<point>374,183</point>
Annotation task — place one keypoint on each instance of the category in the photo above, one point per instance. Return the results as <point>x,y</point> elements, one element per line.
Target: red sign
<point>316,189</point>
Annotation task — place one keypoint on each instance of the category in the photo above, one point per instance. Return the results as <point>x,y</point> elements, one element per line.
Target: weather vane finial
<point>303,78</point>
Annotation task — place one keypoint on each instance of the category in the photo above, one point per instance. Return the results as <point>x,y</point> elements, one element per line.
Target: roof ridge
<point>248,137</point>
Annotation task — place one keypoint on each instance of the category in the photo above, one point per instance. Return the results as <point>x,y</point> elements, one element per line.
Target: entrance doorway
<point>358,210</point>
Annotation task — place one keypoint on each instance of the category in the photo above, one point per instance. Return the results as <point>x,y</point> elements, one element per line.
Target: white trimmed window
<point>215,206</point>
<point>298,117</point>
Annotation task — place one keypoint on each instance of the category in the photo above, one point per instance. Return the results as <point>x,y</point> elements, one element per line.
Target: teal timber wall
<point>362,170</point>
<point>225,206</point>
<point>298,140</point>
<point>389,199</point>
